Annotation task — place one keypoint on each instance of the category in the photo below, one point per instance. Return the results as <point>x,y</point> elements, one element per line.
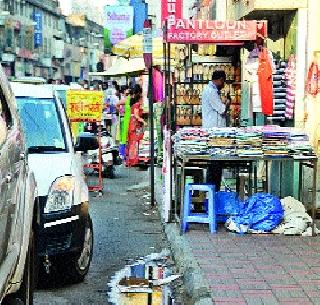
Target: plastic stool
<point>209,217</point>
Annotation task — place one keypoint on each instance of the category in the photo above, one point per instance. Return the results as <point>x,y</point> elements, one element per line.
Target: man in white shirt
<point>214,115</point>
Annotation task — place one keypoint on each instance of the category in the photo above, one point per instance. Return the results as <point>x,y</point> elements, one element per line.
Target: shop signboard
<point>118,24</point>
<point>171,10</point>
<point>38,37</point>
<point>213,31</point>
<point>84,105</point>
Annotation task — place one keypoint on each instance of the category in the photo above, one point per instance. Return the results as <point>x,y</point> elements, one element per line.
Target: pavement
<point>227,268</point>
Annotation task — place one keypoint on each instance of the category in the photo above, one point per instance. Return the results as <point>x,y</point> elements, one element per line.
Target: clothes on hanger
<point>251,75</point>
<point>265,82</point>
<point>158,92</point>
<point>290,75</point>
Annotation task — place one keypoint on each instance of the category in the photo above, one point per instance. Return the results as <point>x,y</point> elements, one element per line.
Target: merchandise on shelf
<point>267,141</point>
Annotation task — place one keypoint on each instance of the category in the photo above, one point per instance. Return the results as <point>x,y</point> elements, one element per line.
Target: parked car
<point>64,229</point>
<point>17,213</point>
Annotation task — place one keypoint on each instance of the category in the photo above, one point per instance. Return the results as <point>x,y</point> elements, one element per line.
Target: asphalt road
<point>124,229</point>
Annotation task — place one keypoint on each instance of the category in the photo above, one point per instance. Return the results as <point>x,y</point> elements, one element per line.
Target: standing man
<point>214,111</point>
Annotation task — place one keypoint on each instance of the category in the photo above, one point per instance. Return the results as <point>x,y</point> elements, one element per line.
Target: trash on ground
<point>149,278</point>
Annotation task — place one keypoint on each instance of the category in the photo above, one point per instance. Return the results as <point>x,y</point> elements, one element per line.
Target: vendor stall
<point>257,85</point>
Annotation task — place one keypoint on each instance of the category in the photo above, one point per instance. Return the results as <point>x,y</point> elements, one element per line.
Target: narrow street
<point>124,230</point>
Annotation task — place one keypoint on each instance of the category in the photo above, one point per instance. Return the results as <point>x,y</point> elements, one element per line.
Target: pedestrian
<point>124,109</point>
<point>214,111</point>
<point>136,128</point>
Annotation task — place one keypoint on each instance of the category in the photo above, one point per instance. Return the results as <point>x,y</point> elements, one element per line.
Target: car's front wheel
<point>76,266</point>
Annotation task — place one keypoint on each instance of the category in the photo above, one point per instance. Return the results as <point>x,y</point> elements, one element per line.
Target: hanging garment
<point>265,82</point>
<point>313,79</point>
<point>251,76</point>
<point>290,75</point>
<point>158,94</point>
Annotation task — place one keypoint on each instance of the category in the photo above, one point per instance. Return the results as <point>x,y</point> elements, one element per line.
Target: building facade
<point>35,38</point>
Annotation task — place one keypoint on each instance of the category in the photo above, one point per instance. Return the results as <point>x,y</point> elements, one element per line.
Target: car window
<point>42,124</point>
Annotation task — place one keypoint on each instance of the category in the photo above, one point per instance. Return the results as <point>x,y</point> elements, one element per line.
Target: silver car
<point>17,197</point>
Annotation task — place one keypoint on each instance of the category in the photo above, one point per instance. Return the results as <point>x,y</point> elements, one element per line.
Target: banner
<point>213,31</point>
<point>84,105</point>
<point>171,10</point>
<point>118,24</point>
<point>38,37</point>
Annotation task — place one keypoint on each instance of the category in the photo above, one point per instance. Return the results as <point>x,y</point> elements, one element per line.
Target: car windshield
<point>41,124</point>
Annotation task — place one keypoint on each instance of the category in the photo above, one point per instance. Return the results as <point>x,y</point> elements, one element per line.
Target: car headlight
<point>61,195</point>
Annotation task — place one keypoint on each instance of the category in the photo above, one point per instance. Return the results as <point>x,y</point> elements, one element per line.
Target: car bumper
<point>61,233</point>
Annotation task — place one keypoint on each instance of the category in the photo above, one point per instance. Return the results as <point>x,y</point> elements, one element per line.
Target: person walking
<point>125,114</point>
<point>136,129</point>
<point>214,111</point>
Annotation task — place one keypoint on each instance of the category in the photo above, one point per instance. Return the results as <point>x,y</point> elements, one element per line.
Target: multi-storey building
<point>35,39</point>
<point>28,29</point>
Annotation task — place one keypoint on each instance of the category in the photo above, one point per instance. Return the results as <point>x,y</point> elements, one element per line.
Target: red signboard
<point>213,31</point>
<point>171,10</point>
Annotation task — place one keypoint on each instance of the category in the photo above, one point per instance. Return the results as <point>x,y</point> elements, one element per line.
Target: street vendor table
<point>202,161</point>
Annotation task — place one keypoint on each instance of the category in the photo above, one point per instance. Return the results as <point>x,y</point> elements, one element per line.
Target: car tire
<point>76,266</point>
<point>24,296</point>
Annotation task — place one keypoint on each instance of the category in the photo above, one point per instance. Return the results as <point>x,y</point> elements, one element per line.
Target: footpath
<point>227,268</point>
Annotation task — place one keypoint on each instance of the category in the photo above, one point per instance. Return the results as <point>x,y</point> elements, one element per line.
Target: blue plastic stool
<point>209,217</point>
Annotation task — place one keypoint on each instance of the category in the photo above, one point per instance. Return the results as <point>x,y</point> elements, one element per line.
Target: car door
<point>5,171</point>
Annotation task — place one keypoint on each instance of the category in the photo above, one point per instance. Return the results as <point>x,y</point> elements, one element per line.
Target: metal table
<point>202,161</point>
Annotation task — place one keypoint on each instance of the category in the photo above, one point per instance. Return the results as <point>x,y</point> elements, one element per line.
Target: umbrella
<point>133,47</point>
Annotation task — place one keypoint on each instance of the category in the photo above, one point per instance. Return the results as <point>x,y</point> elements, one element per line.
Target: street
<point>124,230</point>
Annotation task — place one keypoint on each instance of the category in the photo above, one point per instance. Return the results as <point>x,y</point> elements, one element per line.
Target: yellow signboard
<point>84,105</point>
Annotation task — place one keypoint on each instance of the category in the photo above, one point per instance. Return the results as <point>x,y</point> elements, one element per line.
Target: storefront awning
<point>122,66</point>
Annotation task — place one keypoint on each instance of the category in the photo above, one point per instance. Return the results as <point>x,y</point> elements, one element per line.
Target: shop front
<point>257,83</point>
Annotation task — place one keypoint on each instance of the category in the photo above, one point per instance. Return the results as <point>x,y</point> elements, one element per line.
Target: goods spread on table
<point>267,141</point>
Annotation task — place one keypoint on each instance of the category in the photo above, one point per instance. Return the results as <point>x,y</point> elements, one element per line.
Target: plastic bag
<point>228,203</point>
<point>261,212</point>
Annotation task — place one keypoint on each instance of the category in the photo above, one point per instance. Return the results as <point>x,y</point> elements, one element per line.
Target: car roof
<point>30,80</point>
<point>36,91</point>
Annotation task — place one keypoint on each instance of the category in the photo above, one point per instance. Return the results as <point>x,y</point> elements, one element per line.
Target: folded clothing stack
<point>222,142</point>
<point>299,144</point>
<point>191,141</point>
<point>270,141</point>
<point>275,142</point>
<point>249,143</point>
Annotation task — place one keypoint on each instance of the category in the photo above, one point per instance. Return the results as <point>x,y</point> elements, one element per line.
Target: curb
<point>196,286</point>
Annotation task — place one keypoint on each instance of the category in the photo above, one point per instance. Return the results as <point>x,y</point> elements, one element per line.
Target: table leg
<point>300,182</point>
<point>250,178</point>
<point>266,186</point>
<point>255,177</point>
<point>314,195</point>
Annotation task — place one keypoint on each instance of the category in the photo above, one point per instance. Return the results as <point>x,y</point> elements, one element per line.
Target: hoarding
<point>84,105</point>
<point>38,37</point>
<point>118,24</point>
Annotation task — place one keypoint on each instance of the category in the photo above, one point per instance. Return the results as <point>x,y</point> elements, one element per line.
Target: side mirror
<point>86,141</point>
